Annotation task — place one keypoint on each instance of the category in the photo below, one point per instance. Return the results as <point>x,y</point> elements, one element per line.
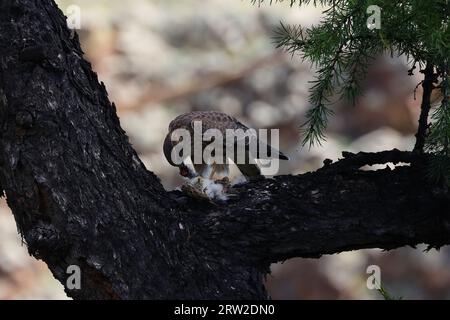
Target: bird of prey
<point>221,122</point>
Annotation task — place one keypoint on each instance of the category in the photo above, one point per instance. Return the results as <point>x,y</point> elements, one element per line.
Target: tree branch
<point>428,86</point>
<point>81,196</point>
<point>329,211</point>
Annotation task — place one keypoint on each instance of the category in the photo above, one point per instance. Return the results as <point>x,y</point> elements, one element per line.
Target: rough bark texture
<point>427,86</point>
<point>81,196</point>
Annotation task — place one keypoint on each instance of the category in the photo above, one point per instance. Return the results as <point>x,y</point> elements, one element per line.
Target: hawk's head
<point>167,148</point>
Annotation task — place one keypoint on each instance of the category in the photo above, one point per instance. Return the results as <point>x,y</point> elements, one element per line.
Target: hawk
<point>221,122</point>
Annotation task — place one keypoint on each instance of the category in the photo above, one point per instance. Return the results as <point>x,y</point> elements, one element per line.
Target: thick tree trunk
<point>81,196</point>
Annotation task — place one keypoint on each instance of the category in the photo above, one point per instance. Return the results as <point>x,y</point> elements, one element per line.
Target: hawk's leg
<point>219,171</point>
<point>213,172</point>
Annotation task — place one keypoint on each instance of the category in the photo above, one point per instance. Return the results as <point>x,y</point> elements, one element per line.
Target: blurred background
<point>161,58</point>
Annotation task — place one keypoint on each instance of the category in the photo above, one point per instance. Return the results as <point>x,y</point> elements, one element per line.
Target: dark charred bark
<point>81,196</point>
<point>425,106</point>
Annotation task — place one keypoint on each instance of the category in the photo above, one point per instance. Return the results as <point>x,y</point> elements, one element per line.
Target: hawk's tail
<point>270,153</point>
<point>249,170</point>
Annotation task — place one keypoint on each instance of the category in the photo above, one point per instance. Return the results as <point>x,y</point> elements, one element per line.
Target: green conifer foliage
<point>342,45</point>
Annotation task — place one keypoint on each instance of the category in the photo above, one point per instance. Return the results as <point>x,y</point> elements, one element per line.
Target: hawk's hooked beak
<point>185,172</point>
<point>167,148</point>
